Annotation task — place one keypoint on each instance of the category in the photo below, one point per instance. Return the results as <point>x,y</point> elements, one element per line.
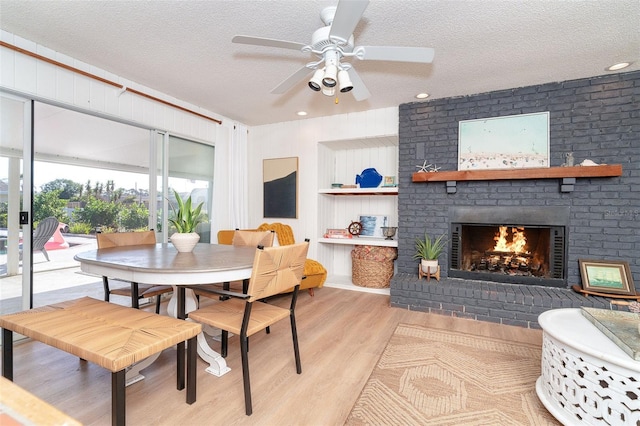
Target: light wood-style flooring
<point>342,334</point>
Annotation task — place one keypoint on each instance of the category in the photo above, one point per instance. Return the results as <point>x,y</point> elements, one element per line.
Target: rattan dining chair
<point>275,269</point>
<point>135,291</point>
<point>241,238</point>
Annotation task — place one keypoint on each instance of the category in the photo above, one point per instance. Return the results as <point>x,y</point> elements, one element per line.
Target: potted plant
<point>185,220</point>
<point>428,250</point>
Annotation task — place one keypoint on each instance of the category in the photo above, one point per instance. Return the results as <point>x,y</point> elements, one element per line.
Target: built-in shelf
<point>612,170</point>
<point>341,161</point>
<point>357,241</point>
<point>382,190</point>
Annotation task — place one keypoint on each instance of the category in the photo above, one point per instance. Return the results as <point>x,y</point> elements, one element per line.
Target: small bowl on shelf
<point>389,232</point>
<point>336,185</point>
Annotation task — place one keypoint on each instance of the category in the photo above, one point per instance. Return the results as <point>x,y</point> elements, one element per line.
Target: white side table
<point>586,378</point>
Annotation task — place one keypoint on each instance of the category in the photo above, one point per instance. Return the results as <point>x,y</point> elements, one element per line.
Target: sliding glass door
<point>89,174</point>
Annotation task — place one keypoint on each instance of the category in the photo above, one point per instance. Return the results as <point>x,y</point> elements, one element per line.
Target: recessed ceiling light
<point>301,113</point>
<point>422,96</point>
<point>619,66</point>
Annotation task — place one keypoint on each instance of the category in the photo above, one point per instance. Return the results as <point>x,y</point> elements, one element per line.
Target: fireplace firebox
<point>511,245</point>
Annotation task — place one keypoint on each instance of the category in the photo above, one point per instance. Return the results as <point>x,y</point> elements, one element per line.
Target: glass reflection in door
<point>190,173</point>
<point>90,174</point>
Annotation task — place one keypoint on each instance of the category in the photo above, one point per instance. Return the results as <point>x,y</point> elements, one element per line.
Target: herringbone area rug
<point>430,376</point>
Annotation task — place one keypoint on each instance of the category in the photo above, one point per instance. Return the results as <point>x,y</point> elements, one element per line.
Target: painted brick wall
<point>596,118</point>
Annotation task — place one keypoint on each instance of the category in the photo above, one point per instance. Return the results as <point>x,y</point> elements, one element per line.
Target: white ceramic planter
<point>430,265</point>
<point>184,243</point>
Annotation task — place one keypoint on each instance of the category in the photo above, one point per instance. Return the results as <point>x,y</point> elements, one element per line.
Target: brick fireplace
<point>595,217</point>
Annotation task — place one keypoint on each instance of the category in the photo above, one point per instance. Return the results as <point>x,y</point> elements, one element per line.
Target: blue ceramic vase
<point>369,178</point>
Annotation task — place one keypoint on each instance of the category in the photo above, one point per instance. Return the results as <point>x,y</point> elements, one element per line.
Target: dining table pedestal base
<point>217,364</point>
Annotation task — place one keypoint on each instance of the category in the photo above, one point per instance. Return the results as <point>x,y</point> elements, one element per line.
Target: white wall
<point>300,139</point>
<point>33,78</point>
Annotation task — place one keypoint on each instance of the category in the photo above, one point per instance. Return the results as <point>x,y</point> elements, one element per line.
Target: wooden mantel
<point>611,170</point>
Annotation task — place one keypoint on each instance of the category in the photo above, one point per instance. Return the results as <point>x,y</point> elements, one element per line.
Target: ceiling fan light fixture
<point>331,44</point>
<point>330,76</point>
<point>345,81</point>
<point>328,91</point>
<point>316,80</point>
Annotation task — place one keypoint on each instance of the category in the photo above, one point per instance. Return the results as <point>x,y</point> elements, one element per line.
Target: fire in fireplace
<point>511,252</point>
<point>522,251</point>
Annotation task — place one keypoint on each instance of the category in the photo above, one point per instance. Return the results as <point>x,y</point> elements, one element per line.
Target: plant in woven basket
<point>428,250</point>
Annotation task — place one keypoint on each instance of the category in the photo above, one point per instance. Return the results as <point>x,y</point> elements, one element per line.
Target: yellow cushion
<point>225,236</point>
<point>284,232</point>
<point>316,274</point>
<point>313,267</point>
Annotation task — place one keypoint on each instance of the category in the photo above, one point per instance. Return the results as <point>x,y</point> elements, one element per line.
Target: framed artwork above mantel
<point>508,142</point>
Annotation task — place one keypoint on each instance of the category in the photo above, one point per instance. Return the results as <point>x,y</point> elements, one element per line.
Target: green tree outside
<point>69,190</point>
<point>134,216</point>
<point>47,204</point>
<point>101,205</point>
<point>3,214</point>
<point>98,213</point>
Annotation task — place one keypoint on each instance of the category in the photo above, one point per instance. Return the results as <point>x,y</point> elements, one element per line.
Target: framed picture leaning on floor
<point>605,276</point>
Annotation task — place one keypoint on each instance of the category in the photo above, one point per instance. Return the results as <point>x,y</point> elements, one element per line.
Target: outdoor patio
<point>56,280</point>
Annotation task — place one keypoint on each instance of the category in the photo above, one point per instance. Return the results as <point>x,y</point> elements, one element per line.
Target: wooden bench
<point>112,336</point>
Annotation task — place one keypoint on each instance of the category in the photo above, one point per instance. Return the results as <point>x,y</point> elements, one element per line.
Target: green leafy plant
<point>80,228</point>
<point>429,248</point>
<point>186,218</point>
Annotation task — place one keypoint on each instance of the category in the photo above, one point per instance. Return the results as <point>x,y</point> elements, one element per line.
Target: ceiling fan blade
<point>260,41</point>
<point>348,14</point>
<point>291,81</point>
<point>360,91</point>
<point>396,53</point>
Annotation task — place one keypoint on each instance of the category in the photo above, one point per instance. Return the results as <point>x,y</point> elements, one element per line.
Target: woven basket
<point>371,273</point>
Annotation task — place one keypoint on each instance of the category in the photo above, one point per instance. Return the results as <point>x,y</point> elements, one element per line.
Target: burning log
<point>507,253</point>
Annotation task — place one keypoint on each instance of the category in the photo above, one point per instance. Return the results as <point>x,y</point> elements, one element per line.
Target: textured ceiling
<point>184,49</point>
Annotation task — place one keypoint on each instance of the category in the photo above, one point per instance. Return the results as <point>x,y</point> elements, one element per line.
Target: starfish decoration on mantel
<point>434,169</point>
<point>424,168</point>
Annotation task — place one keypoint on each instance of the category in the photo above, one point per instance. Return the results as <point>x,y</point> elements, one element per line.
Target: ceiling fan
<point>333,43</point>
